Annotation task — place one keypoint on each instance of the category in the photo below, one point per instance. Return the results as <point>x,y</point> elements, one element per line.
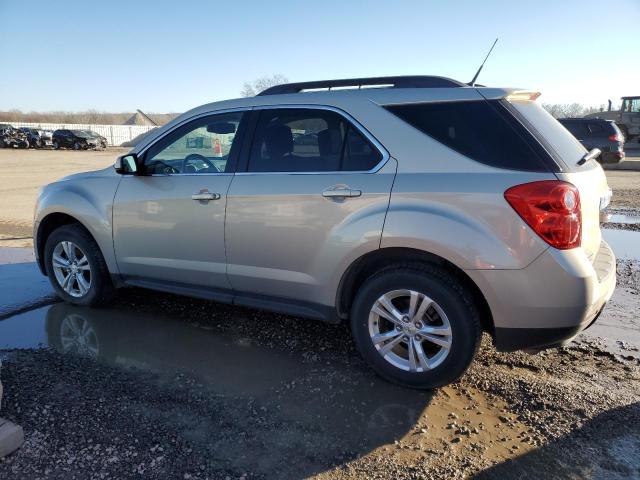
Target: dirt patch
<point>24,172</point>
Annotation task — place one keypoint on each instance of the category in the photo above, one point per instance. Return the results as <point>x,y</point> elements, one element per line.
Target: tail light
<point>551,208</point>
<point>615,138</point>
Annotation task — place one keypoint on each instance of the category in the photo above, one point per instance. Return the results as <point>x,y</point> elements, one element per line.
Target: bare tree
<point>566,110</point>
<point>250,89</point>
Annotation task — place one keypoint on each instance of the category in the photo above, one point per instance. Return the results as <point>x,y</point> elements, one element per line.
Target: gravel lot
<point>170,387</point>
<point>181,388</point>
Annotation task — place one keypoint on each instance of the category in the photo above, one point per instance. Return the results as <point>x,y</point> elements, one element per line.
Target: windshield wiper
<point>594,153</point>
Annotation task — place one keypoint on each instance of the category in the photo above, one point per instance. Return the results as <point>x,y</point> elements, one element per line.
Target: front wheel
<point>416,325</point>
<point>77,146</point>
<point>76,268</point>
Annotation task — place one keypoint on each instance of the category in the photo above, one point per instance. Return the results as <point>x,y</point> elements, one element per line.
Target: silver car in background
<point>419,209</point>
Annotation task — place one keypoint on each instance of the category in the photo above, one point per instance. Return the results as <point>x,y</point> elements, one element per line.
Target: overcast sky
<point>168,56</point>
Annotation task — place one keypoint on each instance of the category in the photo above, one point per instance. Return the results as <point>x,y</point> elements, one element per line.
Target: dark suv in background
<point>598,133</point>
<point>76,139</point>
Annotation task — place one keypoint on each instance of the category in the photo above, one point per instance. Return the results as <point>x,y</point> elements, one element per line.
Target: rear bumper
<point>613,157</point>
<point>552,300</point>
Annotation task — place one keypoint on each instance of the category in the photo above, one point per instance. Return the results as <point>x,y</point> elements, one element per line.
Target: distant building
<point>140,118</point>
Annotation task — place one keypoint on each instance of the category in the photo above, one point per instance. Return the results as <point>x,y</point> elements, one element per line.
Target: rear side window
<point>481,130</point>
<point>309,140</point>
<point>595,128</point>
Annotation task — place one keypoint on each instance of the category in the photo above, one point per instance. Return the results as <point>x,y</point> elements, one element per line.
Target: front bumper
<point>552,300</point>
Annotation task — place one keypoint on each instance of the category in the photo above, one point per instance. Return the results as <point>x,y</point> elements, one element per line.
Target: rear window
<point>481,130</point>
<point>564,145</point>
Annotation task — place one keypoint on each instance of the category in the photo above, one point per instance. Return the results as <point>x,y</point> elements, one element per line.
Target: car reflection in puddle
<point>333,394</point>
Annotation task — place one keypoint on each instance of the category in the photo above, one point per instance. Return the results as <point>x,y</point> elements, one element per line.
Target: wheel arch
<point>369,263</point>
<point>47,225</point>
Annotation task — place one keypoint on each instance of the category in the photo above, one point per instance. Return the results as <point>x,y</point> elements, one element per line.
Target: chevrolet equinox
<point>421,210</point>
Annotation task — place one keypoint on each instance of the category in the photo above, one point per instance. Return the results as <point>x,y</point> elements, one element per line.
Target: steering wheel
<point>196,156</point>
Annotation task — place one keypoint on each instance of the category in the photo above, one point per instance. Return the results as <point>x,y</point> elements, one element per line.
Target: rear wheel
<point>416,325</point>
<point>56,145</point>
<point>76,268</point>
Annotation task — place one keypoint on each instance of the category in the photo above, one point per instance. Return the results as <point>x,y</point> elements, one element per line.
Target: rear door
<point>314,191</point>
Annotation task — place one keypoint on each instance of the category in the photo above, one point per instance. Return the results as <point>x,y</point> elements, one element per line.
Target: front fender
<point>89,200</point>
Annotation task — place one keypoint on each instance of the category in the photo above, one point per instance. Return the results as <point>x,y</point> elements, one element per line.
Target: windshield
<point>81,134</point>
<point>553,133</point>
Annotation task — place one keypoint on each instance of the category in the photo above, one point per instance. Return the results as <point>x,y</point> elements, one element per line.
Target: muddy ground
<point>160,386</point>
<point>167,387</point>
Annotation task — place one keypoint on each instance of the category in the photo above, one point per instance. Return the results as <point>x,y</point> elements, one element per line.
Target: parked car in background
<point>598,133</point>
<point>422,213</point>
<point>38,138</point>
<point>11,137</point>
<point>102,142</point>
<point>76,139</point>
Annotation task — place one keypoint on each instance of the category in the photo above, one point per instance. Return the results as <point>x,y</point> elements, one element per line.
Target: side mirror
<point>127,164</point>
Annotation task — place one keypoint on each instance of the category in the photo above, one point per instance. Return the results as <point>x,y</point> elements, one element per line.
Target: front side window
<point>309,140</point>
<point>205,145</point>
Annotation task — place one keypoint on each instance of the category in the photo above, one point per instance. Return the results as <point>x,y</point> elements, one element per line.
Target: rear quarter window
<point>481,130</point>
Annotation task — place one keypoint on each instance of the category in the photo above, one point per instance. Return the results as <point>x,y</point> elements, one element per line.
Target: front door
<point>313,197</point>
<point>168,223</point>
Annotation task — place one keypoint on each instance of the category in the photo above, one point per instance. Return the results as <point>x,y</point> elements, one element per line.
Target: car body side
<point>439,202</point>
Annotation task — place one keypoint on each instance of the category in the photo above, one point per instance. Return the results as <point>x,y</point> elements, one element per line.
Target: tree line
<point>91,117</point>
<point>249,89</point>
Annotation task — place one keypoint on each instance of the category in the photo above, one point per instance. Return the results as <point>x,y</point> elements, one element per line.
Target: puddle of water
<point>335,397</point>
<point>622,218</point>
<point>624,243</point>
<point>23,331</point>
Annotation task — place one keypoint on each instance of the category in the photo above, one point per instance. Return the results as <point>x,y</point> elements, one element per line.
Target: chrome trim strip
<point>222,174</point>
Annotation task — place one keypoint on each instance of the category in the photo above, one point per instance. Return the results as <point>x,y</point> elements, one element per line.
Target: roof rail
<point>415,81</point>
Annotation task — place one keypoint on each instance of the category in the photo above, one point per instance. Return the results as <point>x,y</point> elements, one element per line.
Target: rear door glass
<point>481,130</point>
<point>565,146</point>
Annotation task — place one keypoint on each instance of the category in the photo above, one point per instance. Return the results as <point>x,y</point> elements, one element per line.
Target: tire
<point>76,146</point>
<point>97,288</point>
<point>56,145</point>
<point>451,310</point>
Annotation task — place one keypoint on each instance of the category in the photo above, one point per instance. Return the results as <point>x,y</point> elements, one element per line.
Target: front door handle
<point>205,196</point>
<point>341,192</point>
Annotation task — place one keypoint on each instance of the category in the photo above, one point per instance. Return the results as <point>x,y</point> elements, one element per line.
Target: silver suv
<point>419,209</point>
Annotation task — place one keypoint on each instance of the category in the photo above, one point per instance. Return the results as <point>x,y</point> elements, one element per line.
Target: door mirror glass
<point>127,164</point>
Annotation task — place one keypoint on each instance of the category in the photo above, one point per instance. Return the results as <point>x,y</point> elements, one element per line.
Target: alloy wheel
<point>410,330</point>
<point>71,268</point>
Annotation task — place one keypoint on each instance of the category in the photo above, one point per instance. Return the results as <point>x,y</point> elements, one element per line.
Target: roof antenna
<point>475,77</point>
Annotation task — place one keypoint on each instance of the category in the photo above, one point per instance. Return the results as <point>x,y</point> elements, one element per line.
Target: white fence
<point>116,135</point>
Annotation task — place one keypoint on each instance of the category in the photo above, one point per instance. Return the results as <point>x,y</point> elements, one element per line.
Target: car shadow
<point>318,409</point>
<point>607,446</point>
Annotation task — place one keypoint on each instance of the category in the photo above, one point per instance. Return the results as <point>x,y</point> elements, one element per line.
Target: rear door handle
<point>205,196</point>
<point>341,193</point>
